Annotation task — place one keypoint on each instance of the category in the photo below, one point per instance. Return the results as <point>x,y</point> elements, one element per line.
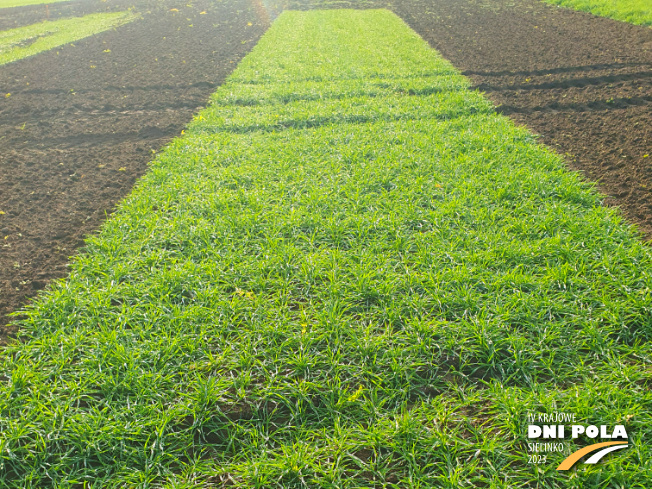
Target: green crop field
<point>633,11</point>
<point>26,41</point>
<point>348,272</point>
<point>20,3</point>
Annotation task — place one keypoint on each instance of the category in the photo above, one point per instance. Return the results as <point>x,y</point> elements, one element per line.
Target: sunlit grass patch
<point>26,41</point>
<point>20,3</point>
<point>349,272</point>
<point>633,11</point>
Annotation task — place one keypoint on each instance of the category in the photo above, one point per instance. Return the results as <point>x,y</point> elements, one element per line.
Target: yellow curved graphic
<point>575,456</point>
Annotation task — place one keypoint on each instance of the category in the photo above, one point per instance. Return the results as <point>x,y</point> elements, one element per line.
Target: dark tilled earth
<point>83,120</point>
<point>73,139</point>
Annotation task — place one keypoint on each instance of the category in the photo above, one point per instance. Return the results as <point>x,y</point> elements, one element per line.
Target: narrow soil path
<point>584,83</point>
<point>82,122</point>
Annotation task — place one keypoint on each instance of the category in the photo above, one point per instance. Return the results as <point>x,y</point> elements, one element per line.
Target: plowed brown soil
<point>83,120</point>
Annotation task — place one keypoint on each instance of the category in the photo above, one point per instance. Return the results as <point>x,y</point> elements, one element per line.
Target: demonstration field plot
<point>323,288</point>
<point>26,41</point>
<point>634,11</point>
<point>80,122</point>
<point>584,83</point>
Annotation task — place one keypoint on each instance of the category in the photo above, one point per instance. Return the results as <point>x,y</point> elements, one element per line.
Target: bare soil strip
<point>82,121</point>
<point>584,83</point>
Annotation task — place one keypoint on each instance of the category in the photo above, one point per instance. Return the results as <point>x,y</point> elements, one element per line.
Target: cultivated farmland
<point>348,270</point>
<point>80,122</point>
<point>634,11</point>
<point>22,3</point>
<point>22,42</point>
<point>583,82</point>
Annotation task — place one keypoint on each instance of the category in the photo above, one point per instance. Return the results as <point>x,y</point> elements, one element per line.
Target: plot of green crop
<point>26,41</point>
<point>633,11</point>
<point>20,3</point>
<point>349,272</point>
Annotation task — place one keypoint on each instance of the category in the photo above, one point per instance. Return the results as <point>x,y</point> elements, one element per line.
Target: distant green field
<point>349,272</point>
<point>26,41</point>
<point>20,3</point>
<point>633,11</point>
